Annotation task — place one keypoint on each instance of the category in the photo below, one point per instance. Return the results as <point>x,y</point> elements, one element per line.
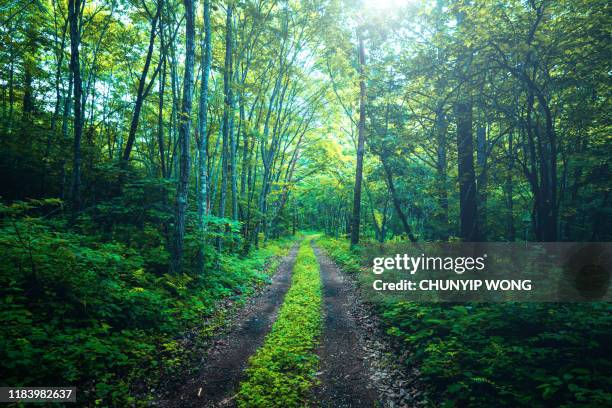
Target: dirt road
<point>217,382</point>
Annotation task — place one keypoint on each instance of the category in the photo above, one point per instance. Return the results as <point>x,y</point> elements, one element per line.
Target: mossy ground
<point>282,371</point>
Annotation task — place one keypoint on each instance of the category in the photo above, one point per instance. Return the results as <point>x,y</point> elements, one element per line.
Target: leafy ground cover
<point>282,371</point>
<point>508,354</point>
<point>80,309</point>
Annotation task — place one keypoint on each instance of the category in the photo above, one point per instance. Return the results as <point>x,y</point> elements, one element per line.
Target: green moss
<point>282,371</point>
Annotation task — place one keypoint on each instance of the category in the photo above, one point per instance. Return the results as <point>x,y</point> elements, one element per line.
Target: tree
<point>182,191</point>
<point>360,146</point>
<point>468,215</point>
<point>74,12</point>
<point>143,88</point>
<point>203,130</point>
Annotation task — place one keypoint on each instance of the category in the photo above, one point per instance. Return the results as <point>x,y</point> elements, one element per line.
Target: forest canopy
<point>478,120</point>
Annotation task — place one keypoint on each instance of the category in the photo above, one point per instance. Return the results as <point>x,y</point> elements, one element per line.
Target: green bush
<point>340,251</point>
<point>81,311</point>
<point>511,354</point>
<point>282,371</point>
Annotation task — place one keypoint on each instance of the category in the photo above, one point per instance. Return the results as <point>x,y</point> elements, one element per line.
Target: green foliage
<point>88,298</point>
<point>340,251</point>
<point>510,354</point>
<point>282,371</point>
<point>505,354</point>
<point>80,310</point>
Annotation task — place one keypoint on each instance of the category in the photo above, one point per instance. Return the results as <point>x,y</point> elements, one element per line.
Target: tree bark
<point>140,94</point>
<point>441,172</point>
<point>227,111</point>
<point>160,120</point>
<point>360,147</point>
<point>74,10</point>
<point>65,119</point>
<point>481,160</point>
<point>510,229</point>
<point>377,228</point>
<point>182,191</point>
<point>467,184</point>
<point>203,131</point>
<point>396,201</point>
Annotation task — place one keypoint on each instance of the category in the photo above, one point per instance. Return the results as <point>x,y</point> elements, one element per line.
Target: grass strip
<point>282,371</point>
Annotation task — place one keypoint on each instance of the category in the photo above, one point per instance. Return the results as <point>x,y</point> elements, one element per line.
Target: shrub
<point>81,311</point>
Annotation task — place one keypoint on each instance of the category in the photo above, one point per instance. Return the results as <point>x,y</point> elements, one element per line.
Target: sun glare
<point>386,5</point>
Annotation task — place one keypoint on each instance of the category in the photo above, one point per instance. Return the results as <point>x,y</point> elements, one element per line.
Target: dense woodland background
<point>154,152</point>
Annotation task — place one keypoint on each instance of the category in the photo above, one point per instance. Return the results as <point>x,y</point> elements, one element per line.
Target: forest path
<point>344,370</point>
<point>217,382</point>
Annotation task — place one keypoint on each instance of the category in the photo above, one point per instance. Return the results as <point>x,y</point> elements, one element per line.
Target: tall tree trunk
<point>227,111</point>
<point>481,161</point>
<point>203,131</point>
<point>59,59</point>
<point>510,230</point>
<point>396,201</point>
<point>182,191</point>
<point>28,99</point>
<point>74,9</point>
<point>360,147</point>
<point>141,93</point>
<point>441,172</point>
<point>233,140</point>
<point>11,86</point>
<point>377,229</point>
<point>467,184</point>
<point>160,120</point>
<point>383,226</point>
<point>65,118</point>
<point>550,207</point>
<point>174,85</point>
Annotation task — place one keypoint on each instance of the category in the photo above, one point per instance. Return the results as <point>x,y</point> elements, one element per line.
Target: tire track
<point>218,380</point>
<point>344,370</point>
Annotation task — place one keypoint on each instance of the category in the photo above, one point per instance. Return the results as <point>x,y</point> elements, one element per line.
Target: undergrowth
<point>503,354</point>
<point>80,309</point>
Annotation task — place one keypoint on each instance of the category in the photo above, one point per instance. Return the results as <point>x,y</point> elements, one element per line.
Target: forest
<point>169,166</point>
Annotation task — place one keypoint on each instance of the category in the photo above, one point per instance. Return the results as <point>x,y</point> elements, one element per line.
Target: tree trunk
<point>11,86</point>
<point>160,120</point>
<point>28,98</point>
<point>65,118</point>
<point>140,95</point>
<point>383,227</point>
<point>481,160</point>
<point>396,201</point>
<point>74,8</point>
<point>510,229</point>
<point>203,130</point>
<point>467,183</point>
<point>59,58</point>
<point>441,173</point>
<point>360,147</point>
<point>182,191</point>
<point>233,140</point>
<point>227,111</point>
